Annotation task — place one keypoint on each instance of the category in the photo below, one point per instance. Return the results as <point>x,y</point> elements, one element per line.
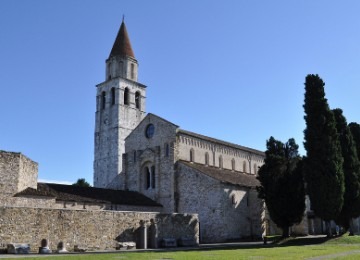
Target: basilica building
<point>185,172</point>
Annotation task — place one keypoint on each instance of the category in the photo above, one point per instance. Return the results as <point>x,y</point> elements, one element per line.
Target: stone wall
<point>92,229</point>
<point>232,156</point>
<point>113,123</point>
<point>157,151</point>
<point>17,172</point>
<point>226,212</point>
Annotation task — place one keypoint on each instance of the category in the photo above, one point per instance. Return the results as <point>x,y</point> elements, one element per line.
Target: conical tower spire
<point>122,45</point>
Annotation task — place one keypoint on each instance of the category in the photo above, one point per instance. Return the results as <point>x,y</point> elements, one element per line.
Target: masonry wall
<point>157,151</point>
<point>91,229</point>
<point>17,172</point>
<point>232,158</point>
<point>226,212</point>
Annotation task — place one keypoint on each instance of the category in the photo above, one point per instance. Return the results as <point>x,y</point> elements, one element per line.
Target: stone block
<point>168,242</point>
<point>44,250</point>
<point>79,249</point>
<point>187,241</point>
<point>18,248</point>
<point>126,245</point>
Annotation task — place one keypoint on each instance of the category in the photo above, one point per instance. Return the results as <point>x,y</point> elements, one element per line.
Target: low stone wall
<point>91,229</point>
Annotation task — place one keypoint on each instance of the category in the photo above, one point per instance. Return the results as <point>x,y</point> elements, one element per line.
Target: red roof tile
<point>122,45</point>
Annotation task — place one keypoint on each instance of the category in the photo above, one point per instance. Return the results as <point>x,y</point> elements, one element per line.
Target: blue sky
<point>232,70</point>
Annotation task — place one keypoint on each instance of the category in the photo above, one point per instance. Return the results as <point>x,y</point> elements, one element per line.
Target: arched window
<point>233,164</point>
<point>112,96</point>
<point>192,155</point>
<point>220,161</point>
<point>103,100</point>
<point>244,166</point>
<point>137,99</point>
<point>150,177</point>
<point>206,158</point>
<point>132,71</point>
<point>126,96</point>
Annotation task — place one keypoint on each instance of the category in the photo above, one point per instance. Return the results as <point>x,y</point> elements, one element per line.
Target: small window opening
<point>150,177</point>
<point>132,71</point>
<point>233,164</point>
<point>220,161</point>
<point>126,96</point>
<point>112,96</point>
<point>137,100</point>
<point>244,167</point>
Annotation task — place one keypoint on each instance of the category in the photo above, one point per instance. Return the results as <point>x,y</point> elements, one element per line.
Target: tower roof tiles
<point>122,45</point>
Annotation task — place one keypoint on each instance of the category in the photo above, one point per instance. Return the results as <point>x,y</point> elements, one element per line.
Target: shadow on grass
<point>301,241</point>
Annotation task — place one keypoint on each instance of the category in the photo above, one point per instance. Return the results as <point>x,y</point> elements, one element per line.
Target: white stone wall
<point>241,157</point>
<point>142,151</point>
<point>113,124</point>
<point>225,211</point>
<point>118,66</point>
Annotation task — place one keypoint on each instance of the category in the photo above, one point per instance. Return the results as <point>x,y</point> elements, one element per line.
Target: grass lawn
<point>344,247</point>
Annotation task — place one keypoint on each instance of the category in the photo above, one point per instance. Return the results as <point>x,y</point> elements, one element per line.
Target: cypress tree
<point>351,168</point>
<point>282,185</point>
<point>323,164</point>
<point>355,131</point>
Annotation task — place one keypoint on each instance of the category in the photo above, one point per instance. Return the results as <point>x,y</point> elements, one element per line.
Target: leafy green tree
<point>81,183</point>
<point>323,164</point>
<point>355,131</point>
<point>282,185</point>
<point>351,167</point>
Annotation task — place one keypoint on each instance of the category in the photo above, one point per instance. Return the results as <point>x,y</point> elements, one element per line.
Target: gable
<point>152,131</point>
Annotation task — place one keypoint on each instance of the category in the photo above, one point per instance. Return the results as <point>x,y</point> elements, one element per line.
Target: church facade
<point>185,172</point>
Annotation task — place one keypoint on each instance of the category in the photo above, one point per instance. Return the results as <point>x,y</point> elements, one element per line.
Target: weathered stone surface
<point>168,242</point>
<point>126,245</point>
<point>95,229</point>
<point>187,241</point>
<point>17,172</point>
<point>18,248</point>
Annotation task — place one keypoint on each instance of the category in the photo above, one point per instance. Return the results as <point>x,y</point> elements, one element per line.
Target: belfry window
<point>112,96</point>
<point>126,96</point>
<point>150,177</point>
<point>103,100</point>
<point>137,99</point>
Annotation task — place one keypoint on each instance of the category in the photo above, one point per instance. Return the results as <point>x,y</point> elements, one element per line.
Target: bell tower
<point>120,106</point>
